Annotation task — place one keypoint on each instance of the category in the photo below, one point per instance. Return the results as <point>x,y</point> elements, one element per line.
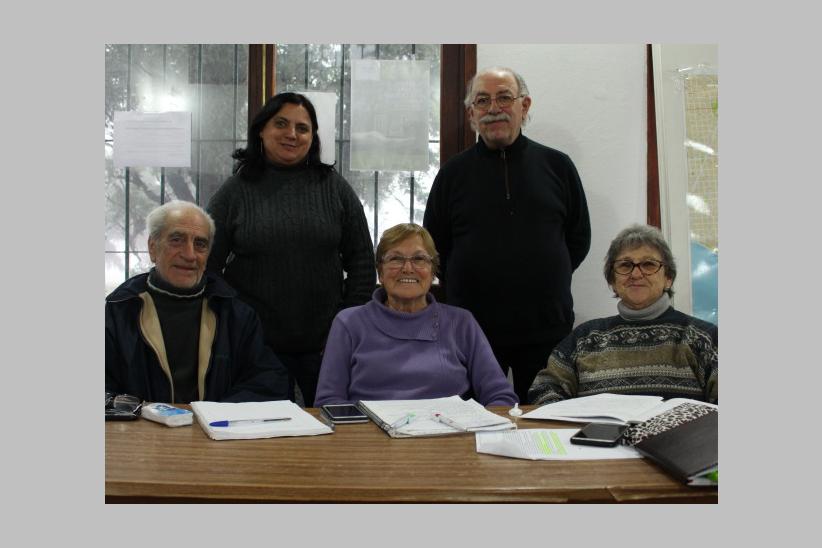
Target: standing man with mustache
<point>510,220</point>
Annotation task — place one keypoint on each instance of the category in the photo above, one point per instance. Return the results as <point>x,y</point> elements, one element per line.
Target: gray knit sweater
<point>295,245</point>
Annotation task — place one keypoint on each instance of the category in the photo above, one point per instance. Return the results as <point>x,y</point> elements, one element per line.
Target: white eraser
<point>167,414</point>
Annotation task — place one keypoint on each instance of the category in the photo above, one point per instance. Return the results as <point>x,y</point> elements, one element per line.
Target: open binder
<point>418,418</point>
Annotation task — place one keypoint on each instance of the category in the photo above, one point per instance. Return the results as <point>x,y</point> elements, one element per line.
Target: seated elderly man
<point>648,348</point>
<point>177,334</point>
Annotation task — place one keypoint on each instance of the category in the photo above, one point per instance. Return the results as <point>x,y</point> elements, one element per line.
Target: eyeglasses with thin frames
<point>396,262</point>
<point>505,100</point>
<point>648,267</point>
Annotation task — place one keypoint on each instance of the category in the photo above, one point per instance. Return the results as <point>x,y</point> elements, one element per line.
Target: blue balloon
<point>704,283</point>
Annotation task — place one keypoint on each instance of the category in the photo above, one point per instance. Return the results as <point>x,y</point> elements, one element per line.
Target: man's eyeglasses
<point>122,407</point>
<point>395,262</point>
<point>483,102</point>
<point>647,267</point>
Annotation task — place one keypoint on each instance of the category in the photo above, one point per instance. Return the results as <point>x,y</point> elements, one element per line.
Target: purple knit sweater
<point>376,353</point>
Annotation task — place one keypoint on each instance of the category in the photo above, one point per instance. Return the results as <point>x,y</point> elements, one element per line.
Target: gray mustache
<point>488,118</point>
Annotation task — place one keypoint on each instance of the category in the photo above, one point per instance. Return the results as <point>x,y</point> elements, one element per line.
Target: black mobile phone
<point>602,435</point>
<point>344,413</point>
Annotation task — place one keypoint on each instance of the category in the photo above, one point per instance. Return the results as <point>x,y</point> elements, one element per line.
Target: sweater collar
<point>514,148</point>
<point>215,286</point>
<point>271,166</point>
<point>158,285</point>
<point>417,326</point>
<point>650,312</point>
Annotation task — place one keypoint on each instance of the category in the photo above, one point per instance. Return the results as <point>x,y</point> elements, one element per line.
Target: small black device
<point>602,435</point>
<point>343,413</point>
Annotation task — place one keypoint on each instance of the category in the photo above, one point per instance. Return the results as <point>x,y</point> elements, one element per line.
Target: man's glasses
<point>122,406</point>
<point>395,262</point>
<point>483,102</point>
<point>647,267</point>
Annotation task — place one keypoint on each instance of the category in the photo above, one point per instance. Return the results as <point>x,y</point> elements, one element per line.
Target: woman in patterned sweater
<point>648,348</point>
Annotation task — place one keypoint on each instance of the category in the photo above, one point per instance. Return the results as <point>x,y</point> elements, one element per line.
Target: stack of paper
<point>433,417</point>
<point>607,408</point>
<point>246,420</point>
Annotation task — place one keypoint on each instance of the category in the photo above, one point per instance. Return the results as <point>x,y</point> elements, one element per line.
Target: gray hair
<point>522,87</point>
<point>158,217</point>
<point>636,236</point>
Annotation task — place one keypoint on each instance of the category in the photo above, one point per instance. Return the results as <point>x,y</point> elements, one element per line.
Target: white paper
<point>547,444</point>
<point>389,115</point>
<point>601,408</point>
<point>152,139</point>
<point>301,423</point>
<point>608,408</point>
<point>325,104</point>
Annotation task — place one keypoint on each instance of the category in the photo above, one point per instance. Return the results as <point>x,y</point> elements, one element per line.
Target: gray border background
<point>53,234</point>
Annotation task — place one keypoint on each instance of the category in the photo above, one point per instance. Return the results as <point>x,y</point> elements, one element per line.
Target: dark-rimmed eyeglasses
<point>647,267</point>
<point>395,262</point>
<point>505,100</point>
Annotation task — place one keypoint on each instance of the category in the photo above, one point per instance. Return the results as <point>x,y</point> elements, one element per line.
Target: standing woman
<point>291,237</point>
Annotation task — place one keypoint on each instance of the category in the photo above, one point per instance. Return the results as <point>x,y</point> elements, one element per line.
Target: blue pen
<point>247,421</point>
<point>403,421</point>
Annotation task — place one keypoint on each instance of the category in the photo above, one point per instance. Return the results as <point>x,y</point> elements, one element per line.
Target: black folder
<point>687,450</point>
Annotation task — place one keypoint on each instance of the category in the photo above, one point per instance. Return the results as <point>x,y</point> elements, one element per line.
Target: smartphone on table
<point>343,413</point>
<point>601,435</point>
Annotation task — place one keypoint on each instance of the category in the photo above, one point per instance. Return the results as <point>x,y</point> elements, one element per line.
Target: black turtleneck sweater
<point>179,312</point>
<point>285,241</point>
<point>511,226</point>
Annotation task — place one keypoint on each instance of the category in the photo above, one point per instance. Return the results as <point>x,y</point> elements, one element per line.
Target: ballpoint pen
<point>403,421</point>
<point>445,420</point>
<point>240,422</point>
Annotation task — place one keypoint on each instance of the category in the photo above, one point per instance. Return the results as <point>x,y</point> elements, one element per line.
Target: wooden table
<point>149,462</point>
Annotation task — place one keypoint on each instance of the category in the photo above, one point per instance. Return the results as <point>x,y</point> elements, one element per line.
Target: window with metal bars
<point>214,82</point>
<point>210,81</point>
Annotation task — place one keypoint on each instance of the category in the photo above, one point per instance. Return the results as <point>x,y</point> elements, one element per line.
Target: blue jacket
<point>236,366</point>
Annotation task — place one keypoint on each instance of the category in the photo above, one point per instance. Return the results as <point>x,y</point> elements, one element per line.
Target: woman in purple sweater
<point>403,344</point>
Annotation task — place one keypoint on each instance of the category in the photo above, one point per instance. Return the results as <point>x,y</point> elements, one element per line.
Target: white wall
<point>589,101</point>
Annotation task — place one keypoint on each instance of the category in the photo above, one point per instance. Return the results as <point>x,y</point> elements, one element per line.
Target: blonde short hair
<point>402,232</point>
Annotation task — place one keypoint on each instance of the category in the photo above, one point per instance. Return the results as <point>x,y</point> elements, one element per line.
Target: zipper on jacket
<point>505,170</point>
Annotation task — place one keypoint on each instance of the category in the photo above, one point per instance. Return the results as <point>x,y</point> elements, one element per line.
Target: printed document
<point>547,444</point>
